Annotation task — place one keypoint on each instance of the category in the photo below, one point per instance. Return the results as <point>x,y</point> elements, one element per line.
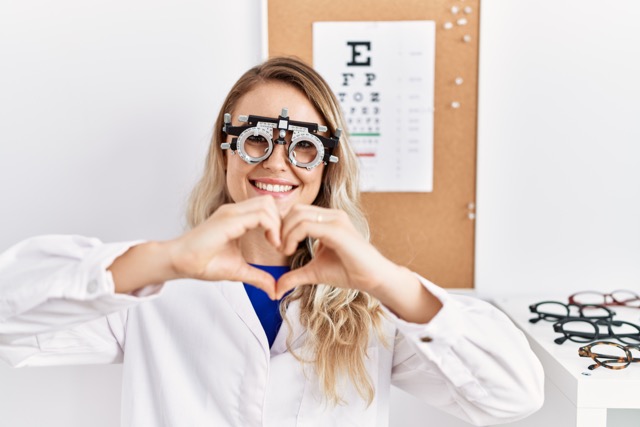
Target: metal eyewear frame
<point>303,132</point>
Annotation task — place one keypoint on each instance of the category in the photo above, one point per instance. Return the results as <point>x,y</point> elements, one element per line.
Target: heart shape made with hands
<point>337,239</point>
<point>218,249</point>
<point>317,270</point>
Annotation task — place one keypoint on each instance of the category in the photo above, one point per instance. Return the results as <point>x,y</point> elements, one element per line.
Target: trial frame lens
<point>249,147</point>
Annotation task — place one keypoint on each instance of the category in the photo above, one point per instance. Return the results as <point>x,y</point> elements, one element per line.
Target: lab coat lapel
<point>297,330</point>
<point>239,300</point>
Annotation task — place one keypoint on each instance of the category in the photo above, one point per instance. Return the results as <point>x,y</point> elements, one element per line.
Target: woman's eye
<point>257,139</point>
<point>304,145</point>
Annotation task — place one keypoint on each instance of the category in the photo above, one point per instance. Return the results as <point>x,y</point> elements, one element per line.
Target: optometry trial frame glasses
<point>552,311</point>
<point>583,330</point>
<point>620,297</point>
<point>254,142</point>
<point>609,354</point>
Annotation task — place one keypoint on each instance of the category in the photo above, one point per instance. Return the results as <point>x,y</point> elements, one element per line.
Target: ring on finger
<point>319,218</point>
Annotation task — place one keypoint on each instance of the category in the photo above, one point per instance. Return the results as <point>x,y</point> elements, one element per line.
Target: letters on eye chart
<point>383,75</point>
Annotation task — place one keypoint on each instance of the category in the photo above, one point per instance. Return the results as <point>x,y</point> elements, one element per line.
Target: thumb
<point>258,278</point>
<point>304,275</point>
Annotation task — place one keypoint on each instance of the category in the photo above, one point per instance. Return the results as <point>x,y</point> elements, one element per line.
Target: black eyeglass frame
<point>584,337</point>
<point>554,317</point>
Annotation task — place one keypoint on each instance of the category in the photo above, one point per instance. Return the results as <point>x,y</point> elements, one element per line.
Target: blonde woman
<point>273,309</point>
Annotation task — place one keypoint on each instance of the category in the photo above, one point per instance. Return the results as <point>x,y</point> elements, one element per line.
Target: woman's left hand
<point>343,257</point>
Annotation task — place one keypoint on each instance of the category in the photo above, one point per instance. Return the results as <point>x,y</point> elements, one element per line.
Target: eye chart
<point>383,75</point>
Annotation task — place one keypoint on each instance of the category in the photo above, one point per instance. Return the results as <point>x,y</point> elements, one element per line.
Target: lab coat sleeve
<point>57,302</point>
<point>470,360</point>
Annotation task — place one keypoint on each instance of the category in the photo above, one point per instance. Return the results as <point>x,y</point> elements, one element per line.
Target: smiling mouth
<point>273,188</point>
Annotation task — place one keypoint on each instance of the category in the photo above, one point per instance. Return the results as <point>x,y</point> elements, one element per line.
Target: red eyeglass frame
<point>609,299</point>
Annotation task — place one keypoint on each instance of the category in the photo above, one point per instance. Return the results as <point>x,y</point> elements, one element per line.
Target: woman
<point>201,346</point>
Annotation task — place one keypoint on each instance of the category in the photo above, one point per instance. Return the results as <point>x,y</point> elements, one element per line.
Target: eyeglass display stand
<point>589,394</point>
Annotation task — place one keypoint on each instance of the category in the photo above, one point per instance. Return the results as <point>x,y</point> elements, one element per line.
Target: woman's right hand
<point>211,251</point>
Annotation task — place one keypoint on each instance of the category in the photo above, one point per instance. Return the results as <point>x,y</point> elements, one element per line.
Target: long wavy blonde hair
<point>338,321</point>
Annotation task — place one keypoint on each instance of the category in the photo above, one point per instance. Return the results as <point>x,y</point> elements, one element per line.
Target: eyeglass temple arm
<point>560,340</point>
<point>587,353</point>
<point>233,130</point>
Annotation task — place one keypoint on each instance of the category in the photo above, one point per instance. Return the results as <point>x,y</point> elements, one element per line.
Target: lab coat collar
<point>297,330</point>
<point>239,300</point>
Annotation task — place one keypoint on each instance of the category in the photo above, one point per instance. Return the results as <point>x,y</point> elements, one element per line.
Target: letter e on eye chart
<point>383,75</point>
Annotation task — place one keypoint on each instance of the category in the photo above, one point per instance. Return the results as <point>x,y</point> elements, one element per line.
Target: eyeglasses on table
<point>583,330</point>
<point>620,297</point>
<point>553,311</point>
<point>610,355</point>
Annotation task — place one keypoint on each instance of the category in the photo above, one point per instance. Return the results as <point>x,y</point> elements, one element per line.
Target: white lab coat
<point>195,353</point>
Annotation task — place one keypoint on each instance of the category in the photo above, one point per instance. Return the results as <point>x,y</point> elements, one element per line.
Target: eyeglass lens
<point>303,151</point>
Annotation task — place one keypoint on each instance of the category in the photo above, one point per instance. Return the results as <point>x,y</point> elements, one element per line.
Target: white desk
<point>591,392</point>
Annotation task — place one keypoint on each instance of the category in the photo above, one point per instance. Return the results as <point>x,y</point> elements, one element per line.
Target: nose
<point>278,160</point>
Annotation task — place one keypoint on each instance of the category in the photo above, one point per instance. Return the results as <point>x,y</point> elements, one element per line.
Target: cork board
<point>430,233</point>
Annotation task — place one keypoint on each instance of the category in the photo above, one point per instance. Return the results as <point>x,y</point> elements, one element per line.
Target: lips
<point>274,186</point>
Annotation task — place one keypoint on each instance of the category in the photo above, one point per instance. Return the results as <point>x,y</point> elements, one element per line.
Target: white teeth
<point>273,188</point>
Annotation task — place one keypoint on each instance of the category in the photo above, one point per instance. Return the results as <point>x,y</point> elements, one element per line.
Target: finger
<point>267,205</point>
<point>303,212</point>
<point>301,276</point>
<point>306,222</point>
<point>254,203</point>
<point>238,225</point>
<point>258,278</point>
<point>303,229</point>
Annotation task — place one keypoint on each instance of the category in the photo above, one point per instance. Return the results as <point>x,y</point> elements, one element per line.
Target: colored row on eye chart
<point>383,75</point>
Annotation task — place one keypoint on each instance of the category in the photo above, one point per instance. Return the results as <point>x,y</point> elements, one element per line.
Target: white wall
<point>558,203</point>
<point>106,109</point>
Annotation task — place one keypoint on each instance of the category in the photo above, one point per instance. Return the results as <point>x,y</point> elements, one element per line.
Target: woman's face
<point>275,176</point>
